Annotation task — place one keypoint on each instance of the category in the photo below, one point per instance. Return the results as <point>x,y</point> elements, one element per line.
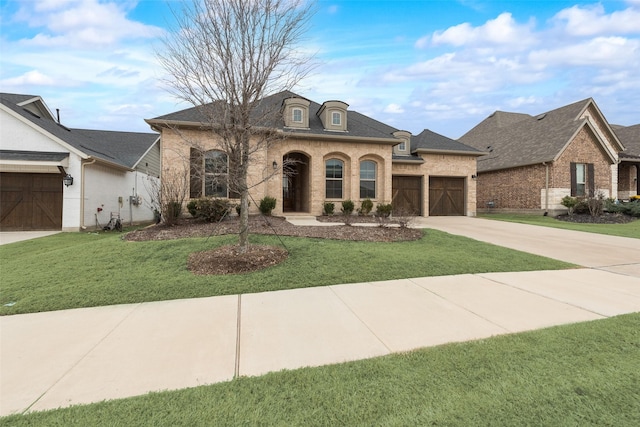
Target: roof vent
<point>541,116</point>
<point>490,148</point>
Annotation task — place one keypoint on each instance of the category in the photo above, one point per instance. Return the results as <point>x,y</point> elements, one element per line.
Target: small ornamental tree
<point>224,57</point>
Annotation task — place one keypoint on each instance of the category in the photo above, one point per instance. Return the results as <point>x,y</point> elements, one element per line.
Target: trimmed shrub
<point>191,207</point>
<point>212,210</point>
<point>328,208</point>
<point>365,207</point>
<point>384,210</point>
<point>569,203</point>
<point>267,204</point>
<point>347,207</point>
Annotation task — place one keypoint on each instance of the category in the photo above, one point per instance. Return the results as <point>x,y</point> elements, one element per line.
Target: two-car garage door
<point>30,201</point>
<point>446,195</point>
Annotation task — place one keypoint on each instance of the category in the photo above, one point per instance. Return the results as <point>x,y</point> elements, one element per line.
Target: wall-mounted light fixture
<point>275,165</point>
<point>67,180</point>
<point>474,176</point>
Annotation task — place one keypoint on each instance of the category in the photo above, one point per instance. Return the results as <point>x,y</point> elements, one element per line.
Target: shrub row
<point>214,210</point>
<point>348,206</point>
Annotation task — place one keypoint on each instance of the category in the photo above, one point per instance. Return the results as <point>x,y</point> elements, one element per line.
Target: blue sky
<point>443,65</point>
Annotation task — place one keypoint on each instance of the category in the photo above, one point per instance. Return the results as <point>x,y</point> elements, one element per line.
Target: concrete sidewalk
<point>69,357</point>
<point>62,358</point>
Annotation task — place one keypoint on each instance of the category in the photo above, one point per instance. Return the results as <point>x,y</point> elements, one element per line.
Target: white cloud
<point>593,20</point>
<point>81,23</point>
<point>503,30</point>
<point>608,52</point>
<point>33,77</point>
<point>394,109</point>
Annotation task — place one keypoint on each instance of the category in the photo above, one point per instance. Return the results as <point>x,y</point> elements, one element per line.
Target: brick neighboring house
<point>629,168</point>
<point>339,154</point>
<point>534,161</point>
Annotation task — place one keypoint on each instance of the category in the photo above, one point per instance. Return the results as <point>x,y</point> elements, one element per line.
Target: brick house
<point>629,168</point>
<point>534,161</point>
<point>333,154</point>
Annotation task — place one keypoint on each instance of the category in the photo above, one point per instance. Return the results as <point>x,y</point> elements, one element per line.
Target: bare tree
<point>224,57</point>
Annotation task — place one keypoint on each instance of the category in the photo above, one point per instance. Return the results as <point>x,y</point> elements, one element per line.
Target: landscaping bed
<point>230,259</point>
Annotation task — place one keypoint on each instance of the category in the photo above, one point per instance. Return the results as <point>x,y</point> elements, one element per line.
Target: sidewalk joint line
<point>359,318</point>
<point>236,370</point>
<point>84,356</point>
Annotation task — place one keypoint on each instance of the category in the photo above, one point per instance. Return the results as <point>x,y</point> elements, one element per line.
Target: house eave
<point>450,152</point>
<point>343,138</point>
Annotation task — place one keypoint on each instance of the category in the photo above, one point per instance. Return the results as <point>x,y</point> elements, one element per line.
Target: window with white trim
<point>297,115</point>
<point>336,118</point>
<point>367,179</point>
<point>334,173</point>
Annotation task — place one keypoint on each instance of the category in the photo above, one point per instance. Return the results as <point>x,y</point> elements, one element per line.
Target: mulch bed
<point>605,218</point>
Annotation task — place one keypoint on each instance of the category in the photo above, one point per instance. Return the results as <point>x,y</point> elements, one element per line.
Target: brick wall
<point>176,150</point>
<point>515,188</point>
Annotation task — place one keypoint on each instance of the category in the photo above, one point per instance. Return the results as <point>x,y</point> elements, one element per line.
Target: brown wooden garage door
<point>446,196</point>
<point>30,201</point>
<point>407,195</point>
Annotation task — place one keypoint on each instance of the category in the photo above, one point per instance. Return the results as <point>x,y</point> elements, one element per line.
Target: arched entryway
<point>295,183</point>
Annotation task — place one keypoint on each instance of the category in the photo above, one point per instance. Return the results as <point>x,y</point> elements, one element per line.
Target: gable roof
<point>431,142</point>
<point>514,139</point>
<point>630,138</point>
<point>359,125</point>
<point>122,149</point>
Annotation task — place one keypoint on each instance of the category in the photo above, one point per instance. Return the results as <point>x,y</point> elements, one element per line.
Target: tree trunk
<point>243,235</point>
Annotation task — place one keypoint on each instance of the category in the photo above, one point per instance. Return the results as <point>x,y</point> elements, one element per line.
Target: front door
<point>295,183</point>
<point>289,192</point>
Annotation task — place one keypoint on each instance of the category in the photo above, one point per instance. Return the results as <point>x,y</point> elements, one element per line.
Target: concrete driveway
<point>68,357</point>
<point>7,237</point>
<point>617,254</point>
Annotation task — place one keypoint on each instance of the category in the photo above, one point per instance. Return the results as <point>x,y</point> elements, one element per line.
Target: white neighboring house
<point>114,173</point>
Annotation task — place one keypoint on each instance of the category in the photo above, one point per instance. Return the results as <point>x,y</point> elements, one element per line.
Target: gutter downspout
<point>546,189</point>
<point>82,173</point>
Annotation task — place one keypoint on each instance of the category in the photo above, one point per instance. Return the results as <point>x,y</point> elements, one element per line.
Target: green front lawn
<point>71,270</point>
<point>630,229</point>
<point>586,374</point>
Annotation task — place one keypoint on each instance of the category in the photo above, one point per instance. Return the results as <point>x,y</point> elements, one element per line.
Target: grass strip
<point>72,270</point>
<point>585,374</point>
<point>630,229</point>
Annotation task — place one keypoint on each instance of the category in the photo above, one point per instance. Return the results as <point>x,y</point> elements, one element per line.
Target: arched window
<point>367,179</point>
<point>334,173</point>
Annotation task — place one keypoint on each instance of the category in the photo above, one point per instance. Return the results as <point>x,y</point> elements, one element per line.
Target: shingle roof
<point>520,139</point>
<point>431,141</point>
<point>630,138</point>
<point>33,156</point>
<point>121,148</point>
<point>358,124</point>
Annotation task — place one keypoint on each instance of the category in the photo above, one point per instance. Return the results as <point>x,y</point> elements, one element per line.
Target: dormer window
<point>297,115</point>
<point>333,115</point>
<point>404,146</point>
